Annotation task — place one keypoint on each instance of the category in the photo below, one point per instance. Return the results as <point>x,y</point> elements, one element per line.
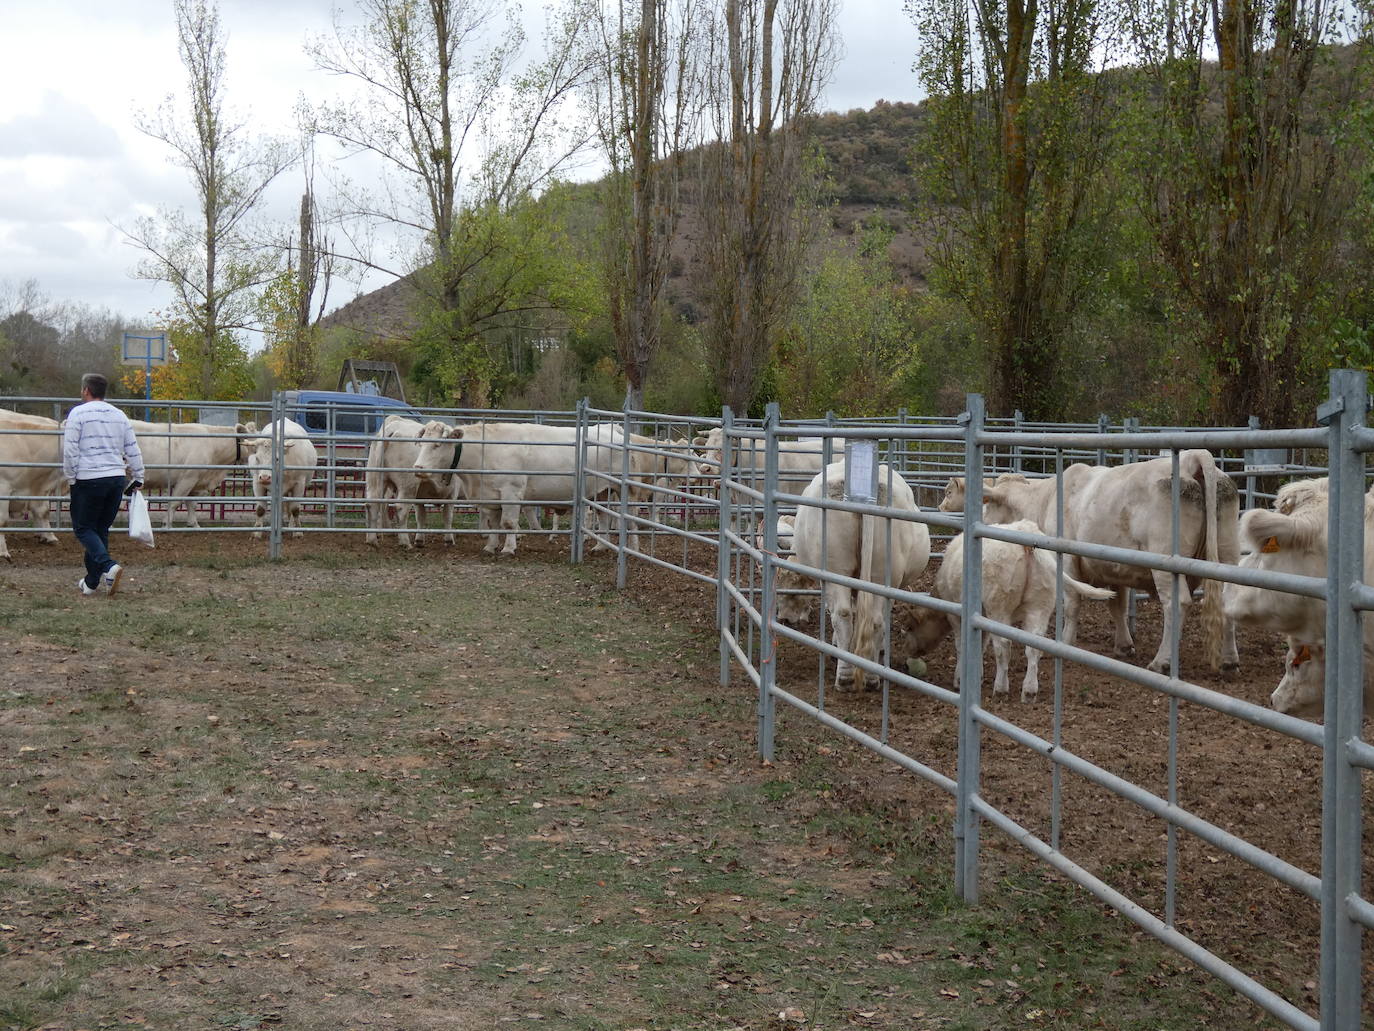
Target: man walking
<point>97,443</point>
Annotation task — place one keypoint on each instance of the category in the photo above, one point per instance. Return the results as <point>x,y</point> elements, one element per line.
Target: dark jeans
<point>94,505</point>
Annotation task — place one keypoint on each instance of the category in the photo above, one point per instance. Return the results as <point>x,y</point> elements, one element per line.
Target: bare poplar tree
<point>463,135</point>
<point>1248,169</point>
<point>768,61</point>
<point>213,260</point>
<point>1018,139</point>
<point>646,97</point>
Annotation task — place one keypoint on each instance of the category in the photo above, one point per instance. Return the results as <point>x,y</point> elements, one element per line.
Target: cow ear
<point>454,432</point>
<point>993,495</point>
<point>248,427</point>
<point>1262,527</point>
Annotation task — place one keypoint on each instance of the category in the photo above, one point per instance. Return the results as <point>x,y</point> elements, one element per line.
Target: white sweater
<point>97,441</point>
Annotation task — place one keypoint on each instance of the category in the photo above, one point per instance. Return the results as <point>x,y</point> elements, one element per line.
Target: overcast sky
<point>74,74</point>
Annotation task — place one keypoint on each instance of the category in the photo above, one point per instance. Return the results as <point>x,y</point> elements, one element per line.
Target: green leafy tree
<point>183,377</point>
<point>1248,168</point>
<point>850,349</point>
<point>464,139</point>
<point>644,94</point>
<point>768,62</point>
<point>1016,141</point>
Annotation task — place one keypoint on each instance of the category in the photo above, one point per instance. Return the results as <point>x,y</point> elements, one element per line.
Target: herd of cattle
<point>504,469</point>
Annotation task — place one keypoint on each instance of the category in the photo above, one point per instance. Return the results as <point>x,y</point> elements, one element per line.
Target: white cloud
<point>60,126</point>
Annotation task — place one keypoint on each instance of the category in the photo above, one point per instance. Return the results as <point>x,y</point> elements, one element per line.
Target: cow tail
<point>864,601</point>
<point>1212,616</point>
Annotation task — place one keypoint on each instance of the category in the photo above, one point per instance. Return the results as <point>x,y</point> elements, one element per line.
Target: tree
<point>644,96</point>
<point>292,305</point>
<point>768,61</point>
<point>182,378</point>
<point>211,260</point>
<point>1016,143</point>
<point>850,348</point>
<point>464,139</point>
<point>1247,170</point>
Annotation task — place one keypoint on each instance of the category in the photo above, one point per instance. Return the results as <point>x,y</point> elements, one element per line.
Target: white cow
<point>506,465</point>
<point>391,479</point>
<point>36,442</point>
<point>299,459</point>
<point>798,460</point>
<point>188,458</point>
<point>1018,589</point>
<point>1292,539</point>
<point>1129,506</point>
<point>855,546</point>
<point>652,463</point>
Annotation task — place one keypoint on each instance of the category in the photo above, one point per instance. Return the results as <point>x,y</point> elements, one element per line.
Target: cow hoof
<point>48,539</point>
<point>1230,667</point>
<point>1159,667</point>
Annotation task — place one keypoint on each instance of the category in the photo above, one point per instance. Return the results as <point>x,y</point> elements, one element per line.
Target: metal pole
<point>970,660</point>
<point>1341,963</point>
<point>579,512</point>
<point>278,471</point>
<point>621,559</point>
<point>723,545</point>
<point>767,646</point>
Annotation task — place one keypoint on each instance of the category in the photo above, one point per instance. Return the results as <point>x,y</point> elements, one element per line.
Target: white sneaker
<point>81,583</point>
<point>111,578</point>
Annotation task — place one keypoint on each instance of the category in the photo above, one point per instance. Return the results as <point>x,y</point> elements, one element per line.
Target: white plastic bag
<point>140,526</point>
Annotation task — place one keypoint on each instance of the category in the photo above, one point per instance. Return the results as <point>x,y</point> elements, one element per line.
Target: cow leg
<point>510,519</point>
<point>40,511</point>
<point>1164,588</point>
<point>1123,645</point>
<point>1230,657</point>
<point>403,523</point>
<point>448,524</point>
<point>486,520</point>
<point>4,520</point>
<point>1036,621</point>
<point>295,513</point>
<point>1001,651</point>
<point>260,510</point>
<point>839,602</point>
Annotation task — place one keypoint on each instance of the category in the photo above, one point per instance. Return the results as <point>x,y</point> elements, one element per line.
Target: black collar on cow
<point>238,448</point>
<point>457,454</point>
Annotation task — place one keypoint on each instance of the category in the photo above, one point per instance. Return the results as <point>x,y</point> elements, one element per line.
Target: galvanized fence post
<point>1341,963</point>
<point>723,548</point>
<point>579,511</point>
<point>278,430</point>
<point>621,559</point>
<point>970,659</point>
<point>767,646</point>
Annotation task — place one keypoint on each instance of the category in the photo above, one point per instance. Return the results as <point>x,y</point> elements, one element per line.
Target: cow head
<point>1301,692</point>
<point>924,627</point>
<point>955,493</point>
<point>793,609</point>
<point>437,451</point>
<point>258,453</point>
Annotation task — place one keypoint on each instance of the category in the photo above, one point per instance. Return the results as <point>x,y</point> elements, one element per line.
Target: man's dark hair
<point>96,384</point>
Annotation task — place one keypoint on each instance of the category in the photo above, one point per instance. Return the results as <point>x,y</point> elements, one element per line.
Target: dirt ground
<point>1248,782</point>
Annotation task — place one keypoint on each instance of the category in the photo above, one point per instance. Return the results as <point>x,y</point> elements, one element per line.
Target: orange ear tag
<point>1304,654</point>
<point>1270,545</point>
